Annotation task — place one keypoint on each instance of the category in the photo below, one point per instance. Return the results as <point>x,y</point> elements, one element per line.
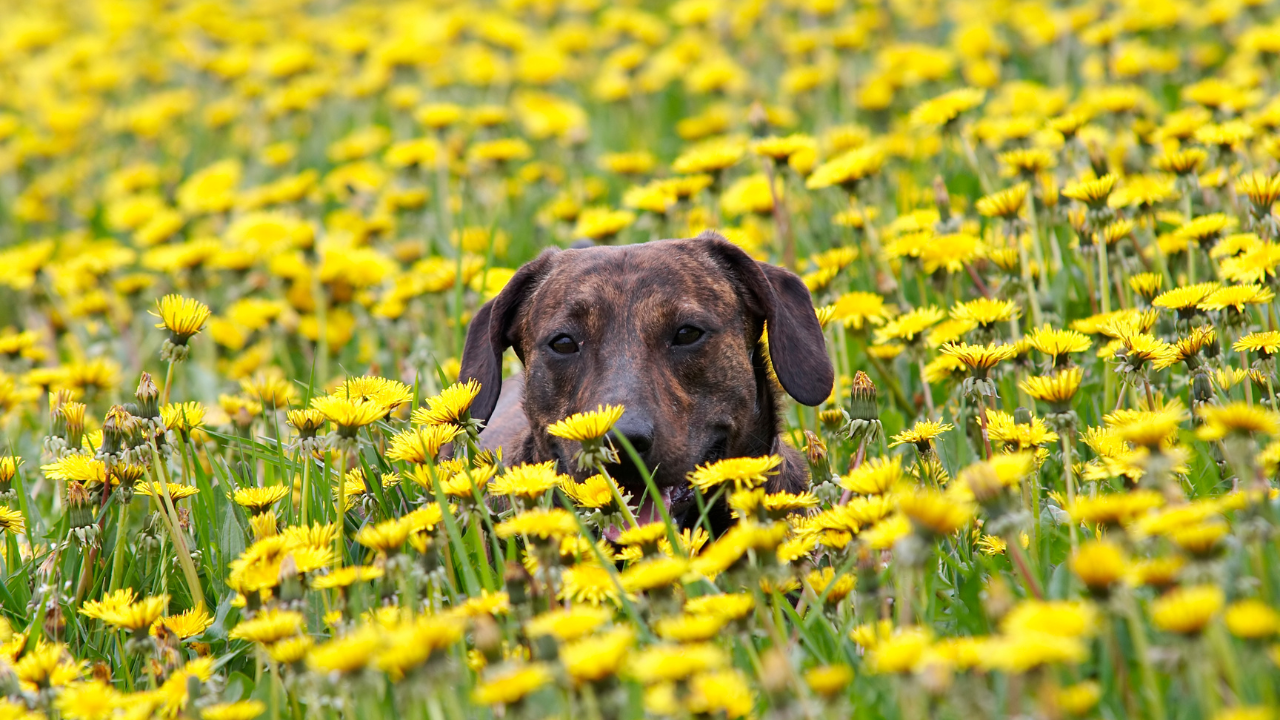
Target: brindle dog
<point>672,331</point>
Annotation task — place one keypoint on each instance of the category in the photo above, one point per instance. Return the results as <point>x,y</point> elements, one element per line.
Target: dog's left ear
<point>796,344</point>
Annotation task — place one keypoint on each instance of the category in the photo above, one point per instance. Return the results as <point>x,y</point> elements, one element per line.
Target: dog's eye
<point>687,335</point>
<point>563,345</point>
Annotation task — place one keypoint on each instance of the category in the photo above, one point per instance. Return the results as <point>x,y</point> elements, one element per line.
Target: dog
<point>672,331</point>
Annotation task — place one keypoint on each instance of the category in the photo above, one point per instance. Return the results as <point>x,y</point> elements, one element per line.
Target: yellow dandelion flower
<point>587,426</point>
<point>1237,418</point>
<point>909,326</point>
<point>1007,203</point>
<point>1187,610</point>
<point>934,513</point>
<point>596,658</point>
<point>238,710</point>
<point>421,445</point>
<point>449,406</point>
<point>1252,619</point>
<point>528,480</point>
<point>544,523</point>
<point>743,472</point>
<point>347,413</point>
<point>182,317</point>
<point>875,476</point>
<point>921,434</point>
<point>258,500</point>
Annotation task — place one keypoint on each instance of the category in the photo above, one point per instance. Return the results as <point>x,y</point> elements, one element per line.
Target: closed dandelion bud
<point>1201,388</point>
<point>58,414</point>
<point>116,429</point>
<point>1213,348</point>
<point>73,417</point>
<point>80,506</point>
<point>1022,416</point>
<point>8,471</point>
<point>815,448</point>
<point>864,411</point>
<point>862,398</point>
<point>148,397</point>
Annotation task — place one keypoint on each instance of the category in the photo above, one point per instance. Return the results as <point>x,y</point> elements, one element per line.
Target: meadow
<point>240,243</point>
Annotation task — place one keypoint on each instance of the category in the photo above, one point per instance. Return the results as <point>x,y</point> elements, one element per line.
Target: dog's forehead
<point>680,269</point>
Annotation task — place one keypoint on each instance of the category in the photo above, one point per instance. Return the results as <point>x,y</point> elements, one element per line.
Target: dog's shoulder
<point>508,427</point>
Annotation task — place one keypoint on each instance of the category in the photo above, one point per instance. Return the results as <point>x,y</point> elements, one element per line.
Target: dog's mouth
<point>677,499</point>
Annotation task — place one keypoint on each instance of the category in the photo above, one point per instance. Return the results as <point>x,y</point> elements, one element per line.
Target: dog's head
<point>671,331</point>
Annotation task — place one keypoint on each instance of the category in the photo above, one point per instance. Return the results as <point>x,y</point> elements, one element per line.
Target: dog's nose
<point>637,429</point>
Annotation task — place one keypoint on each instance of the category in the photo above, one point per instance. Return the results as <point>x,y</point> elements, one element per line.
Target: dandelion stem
<point>168,382</point>
<point>1014,543</point>
<point>982,418</point>
<point>117,561</point>
<point>175,530</point>
<point>617,495</point>
<point>1138,634</point>
<point>928,392</point>
<point>340,510</point>
<point>1068,440</point>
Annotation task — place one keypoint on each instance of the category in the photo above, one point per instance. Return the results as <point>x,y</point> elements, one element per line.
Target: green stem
<point>168,381</point>
<point>1138,632</point>
<point>340,510</point>
<point>306,489</point>
<point>117,562</point>
<point>175,530</point>
<point>617,496</point>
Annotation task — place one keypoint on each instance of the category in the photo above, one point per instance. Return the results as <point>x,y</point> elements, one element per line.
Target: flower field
<point>240,244</point>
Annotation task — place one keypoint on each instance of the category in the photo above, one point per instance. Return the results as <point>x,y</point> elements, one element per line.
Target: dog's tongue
<point>647,513</point>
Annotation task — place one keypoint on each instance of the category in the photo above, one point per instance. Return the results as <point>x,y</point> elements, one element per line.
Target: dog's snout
<point>637,429</point>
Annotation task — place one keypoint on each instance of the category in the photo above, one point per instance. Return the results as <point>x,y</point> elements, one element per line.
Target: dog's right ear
<point>490,334</point>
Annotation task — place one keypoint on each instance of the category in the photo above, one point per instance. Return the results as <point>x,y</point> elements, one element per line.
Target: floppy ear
<point>489,335</point>
<point>796,344</point>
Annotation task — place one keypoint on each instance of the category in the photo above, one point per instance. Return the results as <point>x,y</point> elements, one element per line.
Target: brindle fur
<point>684,405</point>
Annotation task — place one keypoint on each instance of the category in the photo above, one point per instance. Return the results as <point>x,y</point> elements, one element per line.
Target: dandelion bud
<point>1201,388</point>
<point>80,506</point>
<point>148,397</point>
<point>8,471</point>
<point>815,448</point>
<point>73,416</point>
<point>1022,416</point>
<point>116,429</point>
<point>862,396</point>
